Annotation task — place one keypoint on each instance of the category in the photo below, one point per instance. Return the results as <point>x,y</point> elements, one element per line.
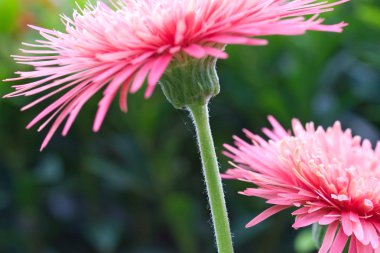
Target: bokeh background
<point>137,186</point>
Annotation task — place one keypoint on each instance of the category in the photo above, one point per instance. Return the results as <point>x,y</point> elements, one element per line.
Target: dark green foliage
<point>137,186</point>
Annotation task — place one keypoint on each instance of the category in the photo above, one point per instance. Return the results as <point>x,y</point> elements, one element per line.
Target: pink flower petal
<point>109,95</point>
<point>140,77</point>
<point>101,40</point>
<point>228,39</point>
<point>352,248</point>
<point>329,238</point>
<point>346,223</point>
<point>217,53</point>
<point>157,71</point>
<point>339,242</point>
<point>358,230</point>
<point>266,214</point>
<point>195,51</point>
<point>330,175</point>
<point>308,219</point>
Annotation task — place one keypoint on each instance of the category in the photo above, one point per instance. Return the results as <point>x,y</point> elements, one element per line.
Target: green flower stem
<point>213,181</point>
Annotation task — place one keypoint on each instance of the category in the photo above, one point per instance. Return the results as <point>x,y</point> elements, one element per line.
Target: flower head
<point>114,47</point>
<point>331,177</point>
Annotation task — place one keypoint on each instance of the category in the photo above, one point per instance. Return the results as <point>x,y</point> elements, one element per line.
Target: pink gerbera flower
<point>115,47</point>
<point>329,176</point>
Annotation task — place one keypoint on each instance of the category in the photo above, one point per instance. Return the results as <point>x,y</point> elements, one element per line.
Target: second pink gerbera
<point>114,48</point>
<point>331,177</point>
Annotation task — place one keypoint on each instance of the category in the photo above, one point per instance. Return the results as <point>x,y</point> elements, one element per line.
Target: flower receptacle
<point>190,81</point>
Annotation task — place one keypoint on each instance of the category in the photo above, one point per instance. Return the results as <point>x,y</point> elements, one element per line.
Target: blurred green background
<point>137,186</point>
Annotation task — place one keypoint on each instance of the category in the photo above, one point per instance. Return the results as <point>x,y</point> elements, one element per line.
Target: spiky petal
<point>331,177</point>
<point>113,48</point>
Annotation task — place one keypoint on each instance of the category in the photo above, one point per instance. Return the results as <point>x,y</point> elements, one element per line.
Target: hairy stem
<point>215,192</point>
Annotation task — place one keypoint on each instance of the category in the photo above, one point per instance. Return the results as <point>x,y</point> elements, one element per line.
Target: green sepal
<point>189,81</point>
